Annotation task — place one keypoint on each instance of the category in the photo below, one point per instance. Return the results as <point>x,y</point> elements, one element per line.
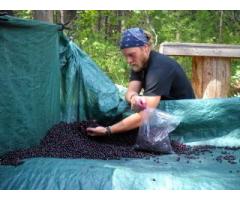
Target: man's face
<point>136,57</point>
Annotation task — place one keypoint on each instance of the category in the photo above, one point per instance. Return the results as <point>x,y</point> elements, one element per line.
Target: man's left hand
<point>98,131</point>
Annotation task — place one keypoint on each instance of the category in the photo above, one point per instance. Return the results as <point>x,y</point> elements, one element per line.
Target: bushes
<point>235,79</point>
<point>108,57</point>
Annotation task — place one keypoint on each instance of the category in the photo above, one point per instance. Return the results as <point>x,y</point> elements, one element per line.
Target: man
<point>159,76</point>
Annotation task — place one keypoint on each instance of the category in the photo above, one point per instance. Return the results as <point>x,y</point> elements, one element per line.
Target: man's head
<point>136,46</point>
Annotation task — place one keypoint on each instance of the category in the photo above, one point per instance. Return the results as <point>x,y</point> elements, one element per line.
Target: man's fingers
<point>90,129</point>
<point>91,134</point>
<point>98,131</point>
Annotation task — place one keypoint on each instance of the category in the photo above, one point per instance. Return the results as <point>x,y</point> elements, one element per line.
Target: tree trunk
<point>125,15</point>
<point>106,27</point>
<point>43,15</point>
<point>119,14</point>
<point>149,23</point>
<point>220,26</point>
<point>67,16</point>
<point>99,21</point>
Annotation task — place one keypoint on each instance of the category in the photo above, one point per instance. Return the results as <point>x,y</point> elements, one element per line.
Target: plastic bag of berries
<point>153,134</point>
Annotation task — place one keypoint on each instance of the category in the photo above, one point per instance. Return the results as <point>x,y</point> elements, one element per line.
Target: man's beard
<point>137,68</point>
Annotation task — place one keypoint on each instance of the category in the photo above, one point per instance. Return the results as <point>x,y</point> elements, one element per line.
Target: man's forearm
<point>129,96</point>
<point>129,123</point>
<point>134,120</point>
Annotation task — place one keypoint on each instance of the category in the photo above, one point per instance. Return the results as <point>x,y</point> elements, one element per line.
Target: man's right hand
<point>138,103</point>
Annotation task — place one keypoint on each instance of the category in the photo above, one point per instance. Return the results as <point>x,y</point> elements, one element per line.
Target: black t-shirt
<point>164,77</point>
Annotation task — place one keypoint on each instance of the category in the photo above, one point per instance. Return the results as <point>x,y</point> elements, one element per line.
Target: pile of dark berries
<point>197,151</point>
<point>65,140</point>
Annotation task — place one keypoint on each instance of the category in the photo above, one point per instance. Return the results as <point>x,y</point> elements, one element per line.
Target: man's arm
<point>134,120</point>
<point>129,123</point>
<point>134,87</point>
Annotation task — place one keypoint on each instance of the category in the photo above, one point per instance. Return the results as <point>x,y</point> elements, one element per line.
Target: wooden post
<point>211,76</point>
<point>211,66</point>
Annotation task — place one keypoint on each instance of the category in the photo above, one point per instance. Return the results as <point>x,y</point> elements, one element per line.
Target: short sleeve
<point>159,81</point>
<point>136,76</point>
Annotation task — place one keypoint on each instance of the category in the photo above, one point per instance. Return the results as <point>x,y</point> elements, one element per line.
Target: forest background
<point>97,32</point>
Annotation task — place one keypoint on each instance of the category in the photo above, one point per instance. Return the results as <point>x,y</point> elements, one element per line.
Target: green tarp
<point>45,78</point>
<point>206,122</point>
<point>87,93</point>
<point>29,81</point>
<point>51,173</point>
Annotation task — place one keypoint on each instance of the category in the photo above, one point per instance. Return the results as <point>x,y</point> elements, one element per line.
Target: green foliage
<point>108,57</point>
<point>98,33</point>
<point>25,14</point>
<point>235,79</point>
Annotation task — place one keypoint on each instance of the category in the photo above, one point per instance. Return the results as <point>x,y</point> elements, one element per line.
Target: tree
<point>44,15</point>
<point>67,16</point>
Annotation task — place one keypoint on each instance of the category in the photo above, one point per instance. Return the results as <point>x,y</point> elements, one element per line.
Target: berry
<point>70,140</point>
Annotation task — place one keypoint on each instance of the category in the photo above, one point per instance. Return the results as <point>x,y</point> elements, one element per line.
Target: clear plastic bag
<point>153,134</point>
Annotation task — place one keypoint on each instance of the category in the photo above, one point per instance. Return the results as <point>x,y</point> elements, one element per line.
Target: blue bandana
<point>133,37</point>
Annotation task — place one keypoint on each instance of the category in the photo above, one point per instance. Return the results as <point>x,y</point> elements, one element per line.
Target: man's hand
<point>138,103</point>
<point>98,131</point>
